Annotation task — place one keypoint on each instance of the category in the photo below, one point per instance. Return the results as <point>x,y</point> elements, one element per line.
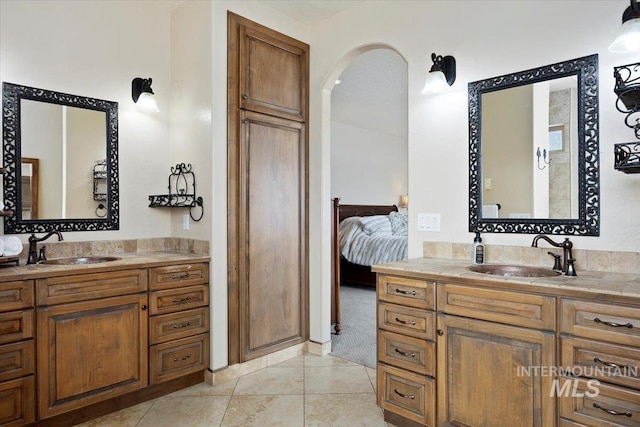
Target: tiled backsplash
<point>608,261</point>
<point>110,247</point>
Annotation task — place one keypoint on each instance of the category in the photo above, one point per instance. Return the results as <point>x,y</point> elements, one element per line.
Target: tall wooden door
<point>267,190</point>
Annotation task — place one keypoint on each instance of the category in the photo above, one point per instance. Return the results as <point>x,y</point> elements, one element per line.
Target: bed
<point>352,264</point>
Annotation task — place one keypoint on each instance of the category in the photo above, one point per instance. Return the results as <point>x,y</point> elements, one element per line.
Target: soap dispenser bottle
<point>478,250</point>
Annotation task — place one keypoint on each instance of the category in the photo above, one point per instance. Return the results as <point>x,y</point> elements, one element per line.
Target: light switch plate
<point>185,222</point>
<point>428,222</point>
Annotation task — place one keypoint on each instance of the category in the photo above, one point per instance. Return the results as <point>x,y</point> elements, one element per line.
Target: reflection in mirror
<point>67,134</point>
<point>533,151</point>
<point>529,164</point>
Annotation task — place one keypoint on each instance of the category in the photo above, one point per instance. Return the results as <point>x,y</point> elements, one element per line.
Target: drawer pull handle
<point>182,359</point>
<point>181,276</point>
<point>612,412</point>
<point>613,324</point>
<point>403,292</point>
<point>625,368</point>
<point>405,322</point>
<point>181,299</point>
<point>404,396</point>
<point>405,354</point>
<point>181,325</point>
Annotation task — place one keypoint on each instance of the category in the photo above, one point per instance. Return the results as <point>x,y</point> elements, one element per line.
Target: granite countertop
<point>126,261</point>
<point>614,286</point>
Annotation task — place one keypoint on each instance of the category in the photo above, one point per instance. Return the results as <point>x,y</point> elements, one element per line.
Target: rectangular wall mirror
<point>533,151</point>
<point>52,142</point>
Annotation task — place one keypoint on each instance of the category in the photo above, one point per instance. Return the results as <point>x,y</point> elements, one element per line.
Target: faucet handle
<point>571,270</point>
<point>557,264</point>
<point>42,256</point>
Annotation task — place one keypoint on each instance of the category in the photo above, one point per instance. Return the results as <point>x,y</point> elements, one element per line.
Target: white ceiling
<point>373,93</point>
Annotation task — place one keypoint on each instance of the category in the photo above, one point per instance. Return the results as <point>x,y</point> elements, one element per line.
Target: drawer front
<point>82,287</point>
<point>567,423</point>
<point>177,358</point>
<point>605,322</point>
<point>172,300</point>
<point>167,327</point>
<point>407,353</point>
<point>16,326</point>
<point>531,311</point>
<point>16,360</point>
<point>178,275</point>
<point>16,295</point>
<point>606,362</point>
<point>17,402</point>
<point>407,321</point>
<point>600,405</point>
<point>405,291</point>
<point>406,394</point>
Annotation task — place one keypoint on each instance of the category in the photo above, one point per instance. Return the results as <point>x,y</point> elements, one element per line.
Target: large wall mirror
<point>52,143</point>
<point>533,151</point>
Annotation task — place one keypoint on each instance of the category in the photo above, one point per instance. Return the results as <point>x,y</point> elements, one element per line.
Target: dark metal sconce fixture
<point>142,94</point>
<point>441,75</point>
<point>544,158</point>
<point>182,191</point>
<point>628,40</point>
<point>627,88</point>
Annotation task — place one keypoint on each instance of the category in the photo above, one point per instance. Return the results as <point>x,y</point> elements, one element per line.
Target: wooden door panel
<point>273,195</point>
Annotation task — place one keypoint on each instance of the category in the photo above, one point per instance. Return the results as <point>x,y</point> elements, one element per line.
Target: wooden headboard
<point>345,211</point>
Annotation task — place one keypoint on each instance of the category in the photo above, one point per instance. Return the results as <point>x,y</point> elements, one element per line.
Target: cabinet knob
<point>245,97</point>
<point>143,307</point>
<point>440,332</point>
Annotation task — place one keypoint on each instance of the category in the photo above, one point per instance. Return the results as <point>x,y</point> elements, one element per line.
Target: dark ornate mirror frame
<point>588,221</point>
<point>11,96</point>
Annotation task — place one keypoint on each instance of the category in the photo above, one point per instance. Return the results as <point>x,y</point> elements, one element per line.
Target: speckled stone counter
<point>126,261</point>
<point>607,286</point>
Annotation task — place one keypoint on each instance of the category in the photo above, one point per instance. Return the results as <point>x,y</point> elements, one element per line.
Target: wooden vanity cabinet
<point>93,349</point>
<point>17,357</point>
<point>179,321</point>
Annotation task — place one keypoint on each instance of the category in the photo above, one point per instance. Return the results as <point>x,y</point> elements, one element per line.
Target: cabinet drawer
<point>606,322</point>
<point>406,321</point>
<point>172,300</point>
<point>406,352</point>
<point>612,406</point>
<point>82,287</point>
<point>17,402</point>
<point>406,394</point>
<point>16,295</point>
<point>16,360</point>
<point>611,363</point>
<point>16,326</point>
<point>177,358</point>
<point>405,291</point>
<point>167,327</point>
<point>178,275</point>
<point>531,311</point>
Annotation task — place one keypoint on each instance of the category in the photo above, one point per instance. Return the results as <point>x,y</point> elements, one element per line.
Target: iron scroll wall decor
<point>588,221</point>
<point>182,191</point>
<point>627,89</point>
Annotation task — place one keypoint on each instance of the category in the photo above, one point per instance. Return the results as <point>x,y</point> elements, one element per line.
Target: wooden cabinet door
<point>273,72</point>
<point>90,351</point>
<point>481,374</point>
<point>272,216</point>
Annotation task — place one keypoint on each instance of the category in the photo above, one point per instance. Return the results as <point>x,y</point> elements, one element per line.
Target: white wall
<point>95,49</point>
<point>367,167</point>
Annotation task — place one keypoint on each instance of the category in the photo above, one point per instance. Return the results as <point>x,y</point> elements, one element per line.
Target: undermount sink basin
<point>80,260</point>
<point>513,270</point>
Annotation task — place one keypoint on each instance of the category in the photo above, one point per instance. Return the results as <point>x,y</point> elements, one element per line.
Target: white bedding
<point>361,245</point>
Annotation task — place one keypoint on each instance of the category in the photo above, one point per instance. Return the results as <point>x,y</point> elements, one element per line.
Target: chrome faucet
<point>33,249</point>
<point>567,265</point>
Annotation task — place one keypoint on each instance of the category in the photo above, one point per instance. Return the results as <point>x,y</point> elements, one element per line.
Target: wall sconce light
<point>404,201</point>
<point>142,94</point>
<point>441,75</point>
<point>628,39</point>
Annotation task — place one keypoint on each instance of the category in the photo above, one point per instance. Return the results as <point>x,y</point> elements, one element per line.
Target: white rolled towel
<point>12,245</point>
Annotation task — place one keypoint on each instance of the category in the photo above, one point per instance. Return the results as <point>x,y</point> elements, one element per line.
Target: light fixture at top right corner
<point>441,75</point>
<point>628,39</point>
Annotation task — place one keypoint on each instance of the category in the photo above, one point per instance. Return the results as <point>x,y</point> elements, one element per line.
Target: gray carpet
<point>357,342</point>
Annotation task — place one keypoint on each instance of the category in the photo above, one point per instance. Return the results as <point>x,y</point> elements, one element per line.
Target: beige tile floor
<point>308,390</point>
